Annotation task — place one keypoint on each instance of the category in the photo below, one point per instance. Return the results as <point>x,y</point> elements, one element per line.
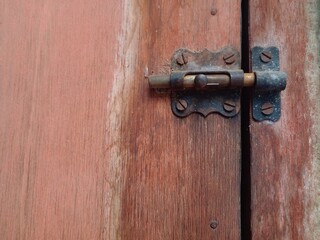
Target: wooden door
<point>87,150</point>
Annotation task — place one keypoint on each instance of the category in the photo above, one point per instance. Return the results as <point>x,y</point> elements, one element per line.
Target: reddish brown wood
<point>87,151</point>
<point>179,174</point>
<point>284,167</point>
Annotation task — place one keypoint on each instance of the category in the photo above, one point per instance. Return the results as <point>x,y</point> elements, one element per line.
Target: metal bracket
<point>185,102</point>
<point>210,82</point>
<point>266,101</point>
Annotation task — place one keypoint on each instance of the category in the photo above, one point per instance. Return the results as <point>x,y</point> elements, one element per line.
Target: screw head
<point>181,105</point>
<point>201,81</point>
<point>214,224</point>
<point>182,59</point>
<point>214,11</point>
<point>229,58</point>
<point>267,108</point>
<point>229,105</point>
<point>266,56</point>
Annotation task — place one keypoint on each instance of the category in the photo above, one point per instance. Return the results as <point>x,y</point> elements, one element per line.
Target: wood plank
<point>87,151</point>
<point>285,155</point>
<point>180,173</point>
<point>55,66</point>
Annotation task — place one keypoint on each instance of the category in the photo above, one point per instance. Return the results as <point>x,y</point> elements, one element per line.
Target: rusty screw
<point>267,108</point>
<point>266,56</point>
<point>181,105</point>
<point>214,11</point>
<point>229,106</point>
<point>214,224</point>
<point>182,59</point>
<point>229,58</point>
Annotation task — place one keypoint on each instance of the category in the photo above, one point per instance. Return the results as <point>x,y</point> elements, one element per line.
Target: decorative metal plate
<point>226,102</point>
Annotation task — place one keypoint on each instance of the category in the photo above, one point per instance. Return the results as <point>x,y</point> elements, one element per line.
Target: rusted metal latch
<point>207,82</point>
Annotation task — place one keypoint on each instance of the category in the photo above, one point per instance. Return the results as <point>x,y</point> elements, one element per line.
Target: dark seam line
<point>245,131</point>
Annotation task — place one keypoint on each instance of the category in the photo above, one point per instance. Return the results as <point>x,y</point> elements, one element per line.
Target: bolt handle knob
<point>200,81</point>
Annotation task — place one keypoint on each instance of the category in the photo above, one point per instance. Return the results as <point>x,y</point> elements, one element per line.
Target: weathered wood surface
<point>285,155</point>
<point>87,151</point>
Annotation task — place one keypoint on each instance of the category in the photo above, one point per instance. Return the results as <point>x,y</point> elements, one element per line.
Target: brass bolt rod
<point>214,80</point>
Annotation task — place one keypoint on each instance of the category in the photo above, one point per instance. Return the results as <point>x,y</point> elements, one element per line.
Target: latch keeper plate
<point>266,102</point>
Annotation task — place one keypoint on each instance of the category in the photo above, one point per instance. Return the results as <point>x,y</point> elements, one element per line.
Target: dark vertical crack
<point>245,131</point>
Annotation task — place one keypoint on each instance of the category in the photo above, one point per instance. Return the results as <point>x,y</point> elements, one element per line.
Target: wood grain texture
<point>285,155</point>
<point>87,151</point>
<point>180,174</point>
<point>54,84</point>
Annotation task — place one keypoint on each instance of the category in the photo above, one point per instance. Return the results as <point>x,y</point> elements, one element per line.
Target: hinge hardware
<point>210,82</point>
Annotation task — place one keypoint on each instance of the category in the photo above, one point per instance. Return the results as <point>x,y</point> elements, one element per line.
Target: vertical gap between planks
<point>245,129</point>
